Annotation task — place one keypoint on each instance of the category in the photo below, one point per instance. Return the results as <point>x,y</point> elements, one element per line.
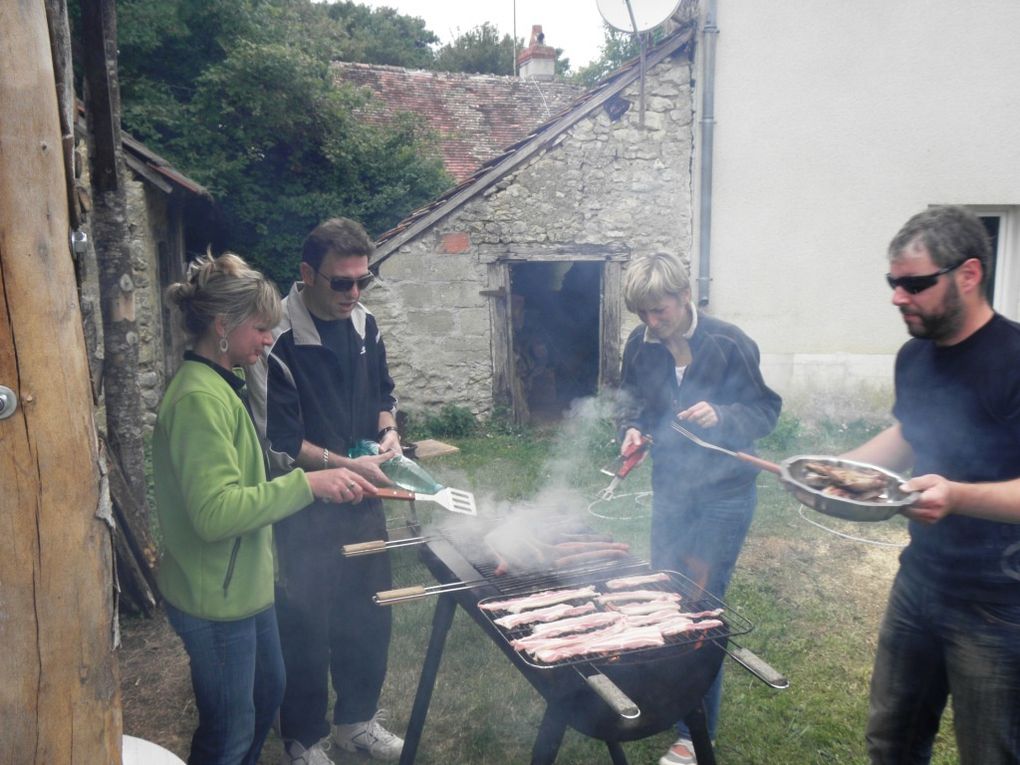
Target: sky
<point>573,25</point>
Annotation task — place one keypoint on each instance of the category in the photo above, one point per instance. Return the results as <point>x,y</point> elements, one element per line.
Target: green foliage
<point>502,423</point>
<point>480,50</point>
<point>239,95</point>
<point>617,49</point>
<point>785,435</point>
<point>451,421</point>
<point>382,36</point>
<point>833,437</point>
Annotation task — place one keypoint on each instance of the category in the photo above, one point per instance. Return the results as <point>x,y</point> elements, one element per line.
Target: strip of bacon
<point>680,626</point>
<point>635,595</point>
<point>604,641</point>
<point>541,642</point>
<point>629,582</point>
<point>539,600</point>
<point>532,644</point>
<point>552,613</point>
<point>648,607</point>
<point>576,624</point>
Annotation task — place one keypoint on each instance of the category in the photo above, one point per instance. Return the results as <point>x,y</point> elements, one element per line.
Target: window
<point>1003,226</point>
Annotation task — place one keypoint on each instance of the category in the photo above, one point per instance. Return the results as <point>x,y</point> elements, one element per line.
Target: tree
<point>480,50</point>
<point>239,95</point>
<point>282,147</point>
<point>382,36</point>
<point>617,49</point>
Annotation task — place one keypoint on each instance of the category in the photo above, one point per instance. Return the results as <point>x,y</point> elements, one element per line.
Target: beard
<point>944,323</point>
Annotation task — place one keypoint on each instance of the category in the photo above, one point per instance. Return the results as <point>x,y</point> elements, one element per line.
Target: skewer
<point>378,546</point>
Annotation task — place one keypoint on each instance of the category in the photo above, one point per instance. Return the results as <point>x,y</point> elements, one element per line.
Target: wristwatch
<point>382,433</point>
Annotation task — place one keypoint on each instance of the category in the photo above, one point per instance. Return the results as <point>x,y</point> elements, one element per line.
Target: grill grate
<point>470,547</point>
<point>693,599</point>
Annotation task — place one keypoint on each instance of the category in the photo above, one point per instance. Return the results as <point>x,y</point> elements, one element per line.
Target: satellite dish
<point>647,14</point>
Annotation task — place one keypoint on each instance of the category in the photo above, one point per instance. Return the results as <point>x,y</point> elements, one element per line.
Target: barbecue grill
<point>615,698</point>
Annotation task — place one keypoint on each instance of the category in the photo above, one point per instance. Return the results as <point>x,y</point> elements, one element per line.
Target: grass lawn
<point>815,599</point>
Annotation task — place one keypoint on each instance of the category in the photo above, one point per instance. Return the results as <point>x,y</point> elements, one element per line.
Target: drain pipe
<point>709,35</point>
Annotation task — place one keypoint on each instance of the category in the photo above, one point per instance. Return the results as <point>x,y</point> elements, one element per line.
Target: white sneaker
<point>294,753</point>
<point>681,753</point>
<point>369,737</point>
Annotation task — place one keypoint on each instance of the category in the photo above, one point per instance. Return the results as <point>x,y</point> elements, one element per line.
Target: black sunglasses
<point>918,284</point>
<point>345,284</point>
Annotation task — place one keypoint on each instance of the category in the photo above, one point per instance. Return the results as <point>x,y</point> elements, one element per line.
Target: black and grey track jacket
<point>294,391</point>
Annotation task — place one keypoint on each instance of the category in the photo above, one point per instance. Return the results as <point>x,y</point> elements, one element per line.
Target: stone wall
<point>150,221</point>
<point>606,185</point>
<point>148,216</point>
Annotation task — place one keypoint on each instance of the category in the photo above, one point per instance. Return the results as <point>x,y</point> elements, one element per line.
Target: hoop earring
<point>224,344</point>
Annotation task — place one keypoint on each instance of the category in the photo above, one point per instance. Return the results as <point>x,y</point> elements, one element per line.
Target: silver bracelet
<point>325,459</point>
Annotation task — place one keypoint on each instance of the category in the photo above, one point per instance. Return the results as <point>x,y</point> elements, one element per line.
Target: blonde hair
<point>226,287</point>
<point>650,278</point>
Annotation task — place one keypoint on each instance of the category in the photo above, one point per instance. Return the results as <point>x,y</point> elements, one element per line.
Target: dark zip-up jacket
<point>724,371</point>
<point>296,394</point>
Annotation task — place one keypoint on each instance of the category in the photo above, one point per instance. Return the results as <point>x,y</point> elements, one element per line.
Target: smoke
<point>584,439</point>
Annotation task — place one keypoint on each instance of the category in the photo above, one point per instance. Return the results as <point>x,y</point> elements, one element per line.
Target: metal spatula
<point>454,500</point>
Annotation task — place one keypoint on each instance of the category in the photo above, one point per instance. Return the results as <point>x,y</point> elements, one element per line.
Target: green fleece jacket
<point>214,503</point>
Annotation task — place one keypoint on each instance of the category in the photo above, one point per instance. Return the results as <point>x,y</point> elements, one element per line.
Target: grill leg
<point>698,726</point>
<point>550,736</point>
<point>616,753</point>
<point>441,621</point>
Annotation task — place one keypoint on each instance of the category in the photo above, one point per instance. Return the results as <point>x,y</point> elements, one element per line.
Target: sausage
<point>589,556</point>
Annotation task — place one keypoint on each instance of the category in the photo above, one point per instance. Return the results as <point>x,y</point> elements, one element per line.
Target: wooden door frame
<point>498,264</point>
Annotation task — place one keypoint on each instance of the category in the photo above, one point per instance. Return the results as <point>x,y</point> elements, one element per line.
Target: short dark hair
<point>342,237</point>
<point>951,235</point>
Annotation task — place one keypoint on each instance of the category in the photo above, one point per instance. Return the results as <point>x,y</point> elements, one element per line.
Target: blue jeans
<point>701,537</point>
<point>931,647</point>
<point>238,677</point>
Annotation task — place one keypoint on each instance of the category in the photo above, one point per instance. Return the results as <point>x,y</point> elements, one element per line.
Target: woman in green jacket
<point>216,507</point>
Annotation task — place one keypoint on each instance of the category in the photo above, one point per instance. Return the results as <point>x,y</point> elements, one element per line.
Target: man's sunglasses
<point>918,284</point>
<point>345,284</point>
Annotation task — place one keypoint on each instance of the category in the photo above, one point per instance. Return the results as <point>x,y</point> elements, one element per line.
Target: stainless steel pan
<point>792,470</point>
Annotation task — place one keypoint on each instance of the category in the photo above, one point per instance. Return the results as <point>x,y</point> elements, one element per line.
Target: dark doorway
<point>555,310</point>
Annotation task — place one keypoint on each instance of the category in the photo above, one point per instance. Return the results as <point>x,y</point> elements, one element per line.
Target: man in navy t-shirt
<point>952,625</point>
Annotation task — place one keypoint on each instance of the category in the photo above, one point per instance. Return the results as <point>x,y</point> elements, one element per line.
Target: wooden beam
<point>59,687</point>
<point>99,32</point>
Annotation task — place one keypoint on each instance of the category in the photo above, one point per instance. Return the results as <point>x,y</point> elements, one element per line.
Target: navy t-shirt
<point>959,408</point>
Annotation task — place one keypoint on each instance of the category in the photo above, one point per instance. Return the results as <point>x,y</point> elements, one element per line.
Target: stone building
<point>506,291</point>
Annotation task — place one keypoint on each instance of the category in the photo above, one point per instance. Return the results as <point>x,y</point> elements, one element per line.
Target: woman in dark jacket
<point>683,365</point>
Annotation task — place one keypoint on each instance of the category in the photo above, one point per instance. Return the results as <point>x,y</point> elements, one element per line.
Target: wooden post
<point>59,688</point>
<point>121,391</point>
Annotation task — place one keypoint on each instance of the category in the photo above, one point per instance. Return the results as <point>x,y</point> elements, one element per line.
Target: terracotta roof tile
<point>475,116</point>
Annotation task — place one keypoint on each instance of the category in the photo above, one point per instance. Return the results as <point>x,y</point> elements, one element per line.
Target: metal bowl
<point>881,508</point>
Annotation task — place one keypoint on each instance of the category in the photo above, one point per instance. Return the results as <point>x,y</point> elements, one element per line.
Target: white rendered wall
<point>835,123</point>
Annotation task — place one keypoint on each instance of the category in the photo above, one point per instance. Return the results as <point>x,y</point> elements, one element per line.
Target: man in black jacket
<point>325,386</point>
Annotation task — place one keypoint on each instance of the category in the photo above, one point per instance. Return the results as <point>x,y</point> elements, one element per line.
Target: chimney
<point>538,60</point>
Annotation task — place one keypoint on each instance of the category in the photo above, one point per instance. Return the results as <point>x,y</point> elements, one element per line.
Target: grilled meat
<point>540,599</point>
<point>850,483</point>
<point>552,613</point>
<point>629,582</point>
